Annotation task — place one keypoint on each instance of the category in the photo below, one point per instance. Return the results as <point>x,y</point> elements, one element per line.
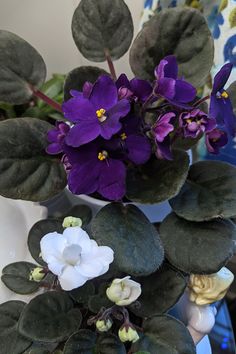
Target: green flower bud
<point>103,326</point>
<point>37,274</point>
<point>70,221</point>
<point>128,334</point>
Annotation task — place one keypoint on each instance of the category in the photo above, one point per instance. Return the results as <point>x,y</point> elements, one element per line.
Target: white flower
<point>74,257</point>
<point>123,291</point>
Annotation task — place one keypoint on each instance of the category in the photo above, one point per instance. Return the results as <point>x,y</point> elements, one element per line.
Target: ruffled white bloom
<point>123,291</point>
<point>74,257</point>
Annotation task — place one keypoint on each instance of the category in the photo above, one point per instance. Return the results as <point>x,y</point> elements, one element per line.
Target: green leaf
<point>232,94</point>
<point>83,212</point>
<point>198,247</point>
<point>101,26</point>
<point>76,78</point>
<point>209,192</point>
<point>110,344</point>
<point>232,18</point>
<point>50,317</point>
<point>21,66</point>
<point>165,335</point>
<point>11,341</point>
<point>27,172</point>
<point>38,230</point>
<point>160,291</point>
<point>134,240</point>
<point>82,342</point>
<point>52,88</point>
<point>41,348</point>
<point>16,276</point>
<point>158,180</point>
<point>82,294</point>
<point>96,302</point>
<point>181,32</point>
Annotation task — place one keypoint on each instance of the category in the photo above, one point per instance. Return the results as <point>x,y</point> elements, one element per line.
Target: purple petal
<point>112,180</point>
<point>83,179</point>
<point>166,88</point>
<point>123,81</point>
<point>52,135</point>
<point>167,67</point>
<point>75,93</point>
<point>54,149</point>
<point>77,109</point>
<point>141,88</point>
<point>163,150</point>
<point>184,92</point>
<point>222,77</point>
<point>163,127</point>
<point>83,133</point>
<point>139,149</point>
<point>221,109</point>
<point>87,89</point>
<point>104,93</point>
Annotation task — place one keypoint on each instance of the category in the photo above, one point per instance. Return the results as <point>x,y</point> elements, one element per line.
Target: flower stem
<point>201,101</point>
<point>110,65</point>
<point>39,94</point>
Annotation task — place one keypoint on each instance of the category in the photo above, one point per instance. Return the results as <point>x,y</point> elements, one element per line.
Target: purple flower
<point>215,140</point>
<point>97,115</point>
<point>94,169</point>
<point>176,91</point>
<point>194,123</point>
<point>161,130</point>
<point>220,106</point>
<point>136,89</point>
<point>56,138</point>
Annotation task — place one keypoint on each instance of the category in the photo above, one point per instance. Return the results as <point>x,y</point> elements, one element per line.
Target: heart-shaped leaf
<point>181,32</point>
<point>16,276</point>
<point>38,230</point>
<point>50,317</point>
<point>96,302</point>
<point>158,180</point>
<point>160,291</point>
<point>21,67</point>
<point>27,172</point>
<point>165,335</point>
<point>110,344</point>
<point>134,240</point>
<point>232,94</point>
<point>82,294</point>
<point>76,78</point>
<point>101,27</point>
<point>82,342</point>
<point>198,247</point>
<point>11,341</point>
<point>209,192</point>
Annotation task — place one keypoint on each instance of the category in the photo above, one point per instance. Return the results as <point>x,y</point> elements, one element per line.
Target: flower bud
<point>123,291</point>
<point>70,221</point>
<point>37,274</point>
<point>103,326</point>
<point>128,334</point>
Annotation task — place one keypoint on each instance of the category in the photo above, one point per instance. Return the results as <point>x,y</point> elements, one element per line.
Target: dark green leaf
<point>38,230</point>
<point>232,94</point>
<point>158,180</point>
<point>41,348</point>
<point>16,276</point>
<point>11,342</point>
<point>50,317</point>
<point>134,240</point>
<point>160,291</point>
<point>26,171</point>
<point>209,192</point>
<point>21,66</point>
<point>96,302</point>
<point>82,294</point>
<point>198,247</point>
<point>101,26</point>
<point>181,32</point>
<point>110,344</point>
<point>82,342</point>
<point>76,78</point>
<point>81,211</point>
<point>165,335</point>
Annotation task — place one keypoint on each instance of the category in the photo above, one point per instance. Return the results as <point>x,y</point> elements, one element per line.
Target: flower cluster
<point>107,130</point>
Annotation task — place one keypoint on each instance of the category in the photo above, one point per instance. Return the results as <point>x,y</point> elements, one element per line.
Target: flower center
<point>72,254</point>
<point>101,114</point>
<point>123,136</point>
<point>103,155</point>
<point>224,94</point>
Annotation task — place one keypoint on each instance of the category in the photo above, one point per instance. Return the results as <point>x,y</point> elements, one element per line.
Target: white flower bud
<point>123,291</point>
<point>103,326</point>
<point>70,221</point>
<point>128,334</point>
<point>37,274</point>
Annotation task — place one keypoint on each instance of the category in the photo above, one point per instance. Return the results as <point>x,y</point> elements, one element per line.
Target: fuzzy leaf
<point>102,26</point>
<point>82,294</point>
<point>82,342</point>
<point>232,94</point>
<point>96,302</point>
<point>110,344</point>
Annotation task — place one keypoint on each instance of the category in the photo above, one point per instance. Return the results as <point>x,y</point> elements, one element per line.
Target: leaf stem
<point>39,94</point>
<point>201,101</point>
<point>110,65</point>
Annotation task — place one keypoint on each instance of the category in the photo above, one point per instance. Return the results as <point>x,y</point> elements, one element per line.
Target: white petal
<point>55,265</point>
<point>71,279</point>
<point>52,244</point>
<point>91,268</point>
<point>76,235</point>
<point>102,253</point>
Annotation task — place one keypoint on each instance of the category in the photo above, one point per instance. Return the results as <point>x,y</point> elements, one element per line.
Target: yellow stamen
<point>224,94</point>
<point>123,136</point>
<point>100,113</point>
<point>102,155</point>
<point>189,121</point>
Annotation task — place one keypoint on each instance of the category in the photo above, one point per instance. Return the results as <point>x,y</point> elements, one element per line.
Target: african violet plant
<point>109,281</point>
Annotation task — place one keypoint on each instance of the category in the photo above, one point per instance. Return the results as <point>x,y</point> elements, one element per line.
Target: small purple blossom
<point>161,130</point>
<point>56,138</point>
<point>97,115</point>
<point>195,123</point>
<point>176,91</point>
<point>136,89</point>
<point>220,106</point>
<point>215,140</point>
